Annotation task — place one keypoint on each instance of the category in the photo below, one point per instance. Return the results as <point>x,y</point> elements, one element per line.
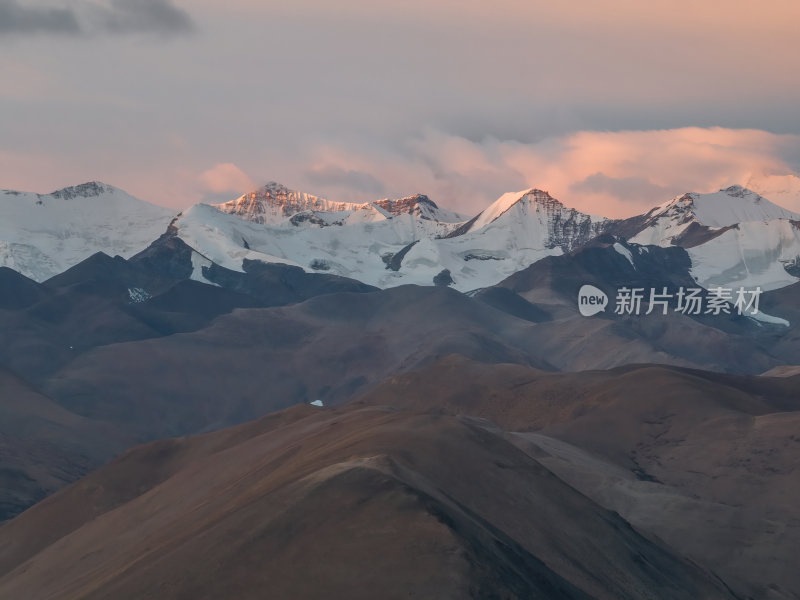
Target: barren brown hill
<point>255,361</point>
<point>343,503</point>
<point>44,446</point>
<point>195,357</point>
<point>703,460</point>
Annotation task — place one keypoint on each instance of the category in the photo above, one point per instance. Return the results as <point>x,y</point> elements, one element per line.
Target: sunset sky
<point>612,106</point>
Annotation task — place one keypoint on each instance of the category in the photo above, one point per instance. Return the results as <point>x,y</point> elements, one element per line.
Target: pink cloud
<point>616,174</point>
<point>226,178</point>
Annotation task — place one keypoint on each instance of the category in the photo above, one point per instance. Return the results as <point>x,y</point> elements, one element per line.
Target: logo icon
<point>591,300</point>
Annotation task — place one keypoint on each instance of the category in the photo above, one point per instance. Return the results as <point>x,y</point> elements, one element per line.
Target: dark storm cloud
<point>347,178</point>
<point>15,18</point>
<point>118,16</point>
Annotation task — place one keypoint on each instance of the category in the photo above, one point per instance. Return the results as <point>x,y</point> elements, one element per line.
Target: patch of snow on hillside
<point>751,255</point>
<point>624,252</point>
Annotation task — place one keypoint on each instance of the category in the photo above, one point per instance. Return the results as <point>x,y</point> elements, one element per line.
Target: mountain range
<point>290,396</point>
<point>734,237</point>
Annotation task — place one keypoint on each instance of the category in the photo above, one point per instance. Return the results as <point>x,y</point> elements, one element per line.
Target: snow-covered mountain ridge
<point>388,242</point>
<point>566,228</point>
<point>42,235</point>
<point>275,204</point>
<point>724,208</point>
<point>734,236</point>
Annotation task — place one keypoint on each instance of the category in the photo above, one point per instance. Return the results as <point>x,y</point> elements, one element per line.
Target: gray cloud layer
<point>118,16</point>
<point>609,105</point>
<point>145,16</point>
<point>345,178</point>
<point>15,18</point>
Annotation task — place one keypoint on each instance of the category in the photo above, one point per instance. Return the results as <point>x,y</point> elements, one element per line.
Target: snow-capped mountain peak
<point>274,202</point>
<point>539,200</point>
<point>537,218</point>
<point>733,205</point>
<point>505,202</point>
<point>390,242</point>
<point>725,208</point>
<point>42,235</point>
<point>90,189</point>
<point>734,236</point>
<point>418,205</point>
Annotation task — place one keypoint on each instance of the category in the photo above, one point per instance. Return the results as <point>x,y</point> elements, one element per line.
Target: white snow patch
<point>137,295</point>
<point>624,252</point>
<point>765,318</point>
<point>198,262</point>
<point>751,255</point>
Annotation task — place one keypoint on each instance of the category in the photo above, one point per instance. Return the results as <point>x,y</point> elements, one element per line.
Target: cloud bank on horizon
<point>610,173</point>
<point>612,108</point>
<point>85,18</point>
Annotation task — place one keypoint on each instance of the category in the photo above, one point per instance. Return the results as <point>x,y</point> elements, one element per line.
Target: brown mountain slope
<point>727,343</point>
<point>705,461</point>
<point>254,361</point>
<point>342,503</point>
<point>43,446</point>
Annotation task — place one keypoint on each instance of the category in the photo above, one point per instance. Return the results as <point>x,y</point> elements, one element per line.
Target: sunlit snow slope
<point>42,235</point>
<point>388,242</point>
<point>735,237</point>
